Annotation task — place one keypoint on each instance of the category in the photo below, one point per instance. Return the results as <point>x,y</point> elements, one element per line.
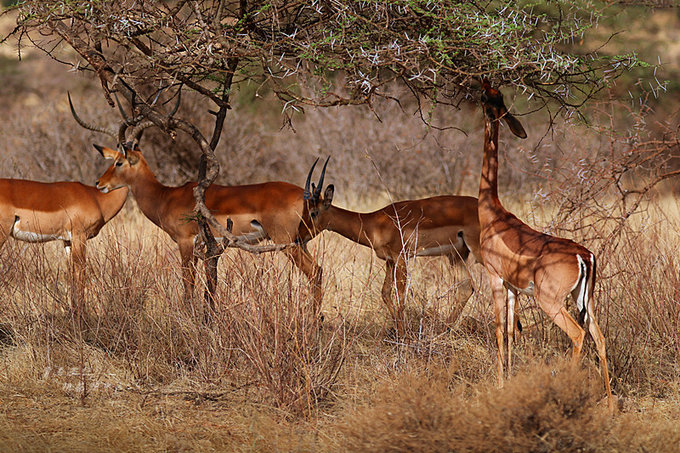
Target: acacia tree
<point>316,53</point>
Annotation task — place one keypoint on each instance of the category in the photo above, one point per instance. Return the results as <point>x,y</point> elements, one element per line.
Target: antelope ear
<point>328,195</point>
<point>132,157</point>
<point>514,125</point>
<point>107,153</point>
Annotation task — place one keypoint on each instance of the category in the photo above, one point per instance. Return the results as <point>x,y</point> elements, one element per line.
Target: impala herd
<point>517,258</point>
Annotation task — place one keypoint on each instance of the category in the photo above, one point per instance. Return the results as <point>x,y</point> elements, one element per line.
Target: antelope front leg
<point>401,276</point>
<point>77,260</point>
<point>464,291</point>
<point>510,322</point>
<point>304,261</point>
<point>500,309</point>
<point>186,251</point>
<point>386,292</point>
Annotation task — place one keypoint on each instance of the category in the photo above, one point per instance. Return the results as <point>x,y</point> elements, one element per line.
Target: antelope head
<point>128,161</point>
<point>315,206</point>
<point>127,158</point>
<point>495,110</point>
<point>123,171</point>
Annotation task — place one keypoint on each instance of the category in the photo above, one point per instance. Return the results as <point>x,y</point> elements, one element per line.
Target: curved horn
<point>179,98</point>
<point>317,192</point>
<point>308,194</point>
<point>121,132</point>
<point>82,123</point>
<point>120,109</point>
<point>137,132</point>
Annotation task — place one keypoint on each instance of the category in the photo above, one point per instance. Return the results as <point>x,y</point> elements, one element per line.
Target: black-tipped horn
<point>179,99</point>
<point>319,188</point>
<point>87,126</point>
<point>121,109</point>
<point>122,129</point>
<point>308,194</point>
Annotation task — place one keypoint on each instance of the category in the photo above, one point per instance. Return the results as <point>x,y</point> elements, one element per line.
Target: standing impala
<point>71,212</point>
<point>520,259</point>
<point>437,226</point>
<point>270,210</point>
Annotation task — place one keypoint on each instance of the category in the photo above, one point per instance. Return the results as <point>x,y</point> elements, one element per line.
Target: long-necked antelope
<point>521,259</point>
<point>70,212</point>
<point>437,226</point>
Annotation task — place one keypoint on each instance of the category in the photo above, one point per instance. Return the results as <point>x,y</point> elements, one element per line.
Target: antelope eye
<point>119,163</point>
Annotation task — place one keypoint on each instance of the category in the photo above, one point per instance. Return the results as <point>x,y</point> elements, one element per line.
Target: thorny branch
<point>617,181</point>
<point>116,82</point>
<point>438,48</point>
<point>322,53</point>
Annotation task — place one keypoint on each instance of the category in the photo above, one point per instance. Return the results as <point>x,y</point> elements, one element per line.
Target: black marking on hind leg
<point>584,311</point>
<point>466,250</point>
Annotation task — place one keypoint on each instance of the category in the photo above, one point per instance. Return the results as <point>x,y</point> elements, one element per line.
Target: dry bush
<point>273,323</point>
<point>263,334</point>
<point>545,408</point>
<point>643,314</point>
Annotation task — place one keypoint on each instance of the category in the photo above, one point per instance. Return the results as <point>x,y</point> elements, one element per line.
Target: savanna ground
<point>147,374</point>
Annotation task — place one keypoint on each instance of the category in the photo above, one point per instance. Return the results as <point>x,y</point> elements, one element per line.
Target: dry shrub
<point>273,322</point>
<point>420,413</point>
<point>644,314</point>
<point>542,409</point>
<point>138,316</point>
<point>119,283</point>
<point>415,413</point>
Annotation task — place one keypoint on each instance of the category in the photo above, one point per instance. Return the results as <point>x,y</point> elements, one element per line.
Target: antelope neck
<point>488,183</point>
<point>149,193</point>
<point>111,203</point>
<point>349,224</point>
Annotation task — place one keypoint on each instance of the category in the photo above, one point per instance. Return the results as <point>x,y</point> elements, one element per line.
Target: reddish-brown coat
<point>276,206</point>
<point>437,226</point>
<point>519,258</point>
<point>68,211</point>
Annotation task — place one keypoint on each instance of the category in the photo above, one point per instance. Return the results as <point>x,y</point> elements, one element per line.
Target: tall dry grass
<point>147,373</point>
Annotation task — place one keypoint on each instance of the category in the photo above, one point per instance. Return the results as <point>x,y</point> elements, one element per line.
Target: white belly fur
<point>443,249</point>
<point>251,237</point>
<point>448,249</point>
<point>33,236</point>
<point>528,290</point>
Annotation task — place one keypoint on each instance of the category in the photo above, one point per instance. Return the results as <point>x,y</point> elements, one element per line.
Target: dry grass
<point>147,374</point>
<point>544,408</point>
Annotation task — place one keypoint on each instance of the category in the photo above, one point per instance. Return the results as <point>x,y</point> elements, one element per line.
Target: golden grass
<point>156,379</point>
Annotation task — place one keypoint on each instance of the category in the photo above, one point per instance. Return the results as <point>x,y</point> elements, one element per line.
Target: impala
<point>270,210</point>
<point>437,226</point>
<point>71,212</point>
<point>252,213</point>
<point>521,259</point>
